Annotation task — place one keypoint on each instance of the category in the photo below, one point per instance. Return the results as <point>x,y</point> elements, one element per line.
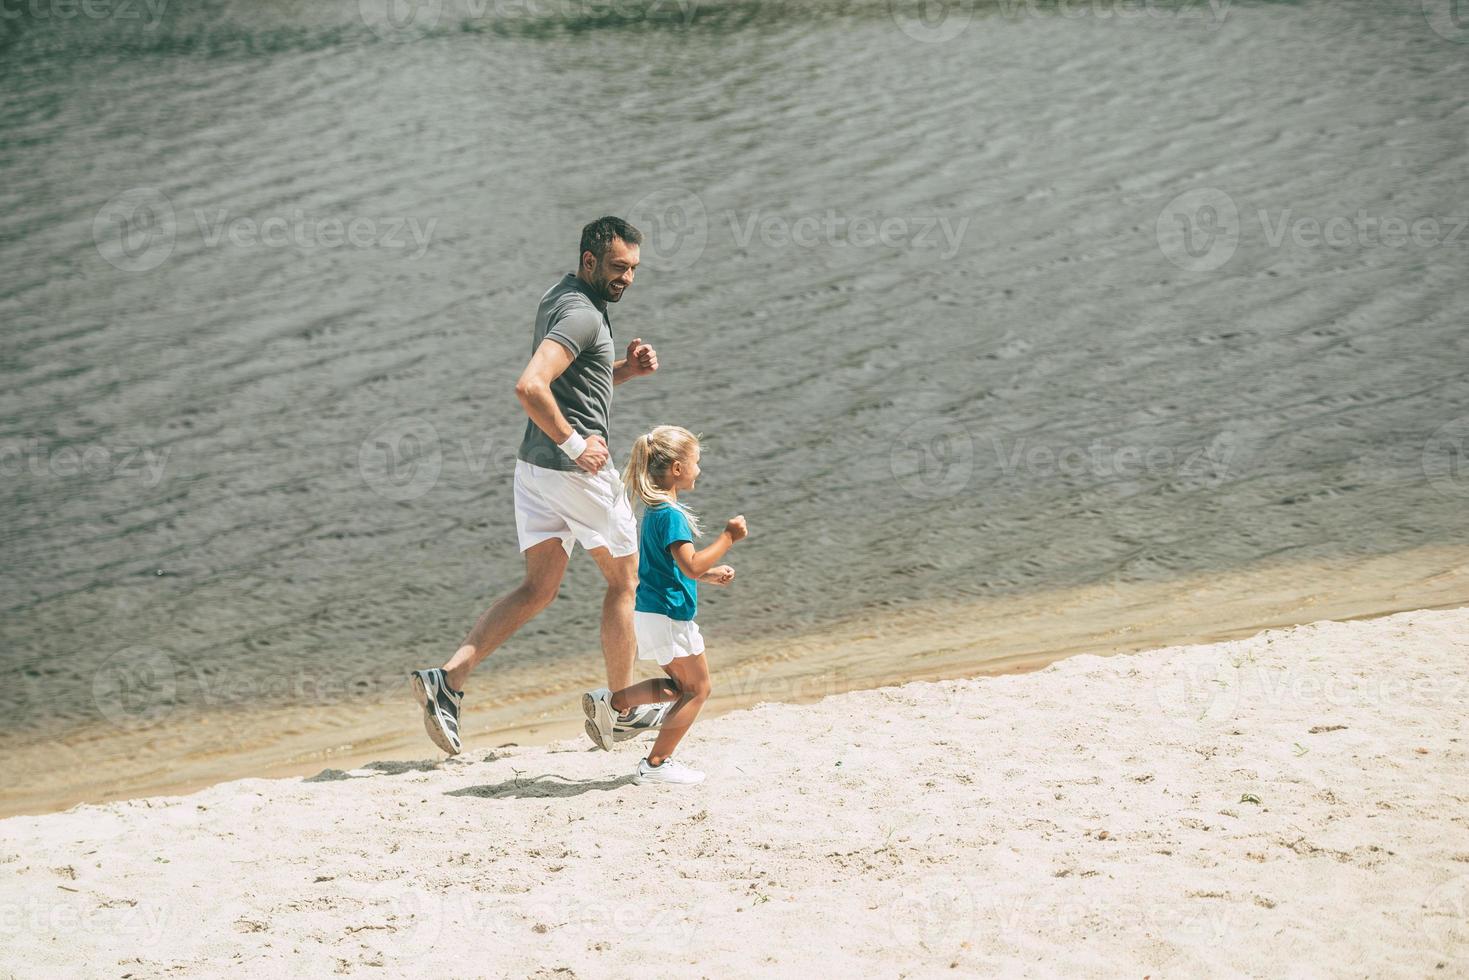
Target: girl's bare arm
<point>695,564</point>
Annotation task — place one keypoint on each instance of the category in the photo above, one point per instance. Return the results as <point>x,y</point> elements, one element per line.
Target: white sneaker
<point>597,706</point>
<point>672,771</point>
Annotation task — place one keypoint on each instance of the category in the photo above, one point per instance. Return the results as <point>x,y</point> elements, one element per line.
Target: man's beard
<point>608,294</point>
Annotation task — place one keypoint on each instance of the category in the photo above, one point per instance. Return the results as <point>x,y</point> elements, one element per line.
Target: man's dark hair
<point>596,236</point>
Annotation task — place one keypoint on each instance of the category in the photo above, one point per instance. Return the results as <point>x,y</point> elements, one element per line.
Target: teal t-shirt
<point>662,585</point>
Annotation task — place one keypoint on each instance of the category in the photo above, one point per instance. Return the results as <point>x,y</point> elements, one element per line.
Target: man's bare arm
<point>534,392</point>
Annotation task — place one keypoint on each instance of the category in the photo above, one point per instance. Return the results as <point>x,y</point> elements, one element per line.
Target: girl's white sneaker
<point>672,771</point>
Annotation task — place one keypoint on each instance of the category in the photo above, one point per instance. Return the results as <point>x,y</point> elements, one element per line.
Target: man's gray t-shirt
<point>569,315</point>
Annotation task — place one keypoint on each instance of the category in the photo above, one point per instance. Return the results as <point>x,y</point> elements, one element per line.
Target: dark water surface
<point>1034,305</point>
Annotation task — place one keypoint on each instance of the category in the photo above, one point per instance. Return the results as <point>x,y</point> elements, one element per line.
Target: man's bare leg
<point>545,564</point>
<point>619,642</point>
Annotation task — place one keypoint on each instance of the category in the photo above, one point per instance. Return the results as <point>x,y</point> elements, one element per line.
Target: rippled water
<point>927,286</point>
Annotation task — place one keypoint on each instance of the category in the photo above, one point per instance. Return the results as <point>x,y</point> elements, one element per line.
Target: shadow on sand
<point>548,784</point>
<point>372,769</point>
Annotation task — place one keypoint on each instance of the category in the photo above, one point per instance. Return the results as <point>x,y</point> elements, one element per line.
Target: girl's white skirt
<point>663,639</point>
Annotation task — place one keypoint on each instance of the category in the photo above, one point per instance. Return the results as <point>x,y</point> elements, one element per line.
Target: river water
<point>969,302</point>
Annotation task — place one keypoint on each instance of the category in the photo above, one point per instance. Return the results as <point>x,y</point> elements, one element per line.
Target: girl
<point>663,463</point>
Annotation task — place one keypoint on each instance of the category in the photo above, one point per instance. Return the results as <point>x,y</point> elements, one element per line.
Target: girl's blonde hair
<point>653,455</point>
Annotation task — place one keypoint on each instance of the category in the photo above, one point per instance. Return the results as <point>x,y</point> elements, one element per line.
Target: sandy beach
<point>150,745</point>
<point>1288,804</point>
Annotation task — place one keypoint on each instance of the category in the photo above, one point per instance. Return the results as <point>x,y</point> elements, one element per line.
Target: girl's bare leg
<point>655,691</point>
<point>691,675</point>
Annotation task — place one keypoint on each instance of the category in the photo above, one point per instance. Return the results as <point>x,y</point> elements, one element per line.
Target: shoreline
<point>1014,634</point>
<point>1283,803</point>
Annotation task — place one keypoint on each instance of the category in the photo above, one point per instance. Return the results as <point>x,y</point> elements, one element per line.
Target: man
<point>566,488</point>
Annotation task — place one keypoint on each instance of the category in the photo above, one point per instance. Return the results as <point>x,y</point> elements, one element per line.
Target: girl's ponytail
<point>652,455</point>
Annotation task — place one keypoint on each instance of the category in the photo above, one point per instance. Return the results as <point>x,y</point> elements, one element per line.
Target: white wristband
<point>574,446</point>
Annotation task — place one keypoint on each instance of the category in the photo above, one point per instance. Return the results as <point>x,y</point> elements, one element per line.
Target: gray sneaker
<point>440,707</point>
<point>641,720</point>
<point>597,706</point>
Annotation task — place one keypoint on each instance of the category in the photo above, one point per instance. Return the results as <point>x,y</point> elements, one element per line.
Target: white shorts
<point>663,639</point>
<point>576,506</point>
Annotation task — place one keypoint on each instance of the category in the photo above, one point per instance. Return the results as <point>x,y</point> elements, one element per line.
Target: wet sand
<point>160,753</point>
